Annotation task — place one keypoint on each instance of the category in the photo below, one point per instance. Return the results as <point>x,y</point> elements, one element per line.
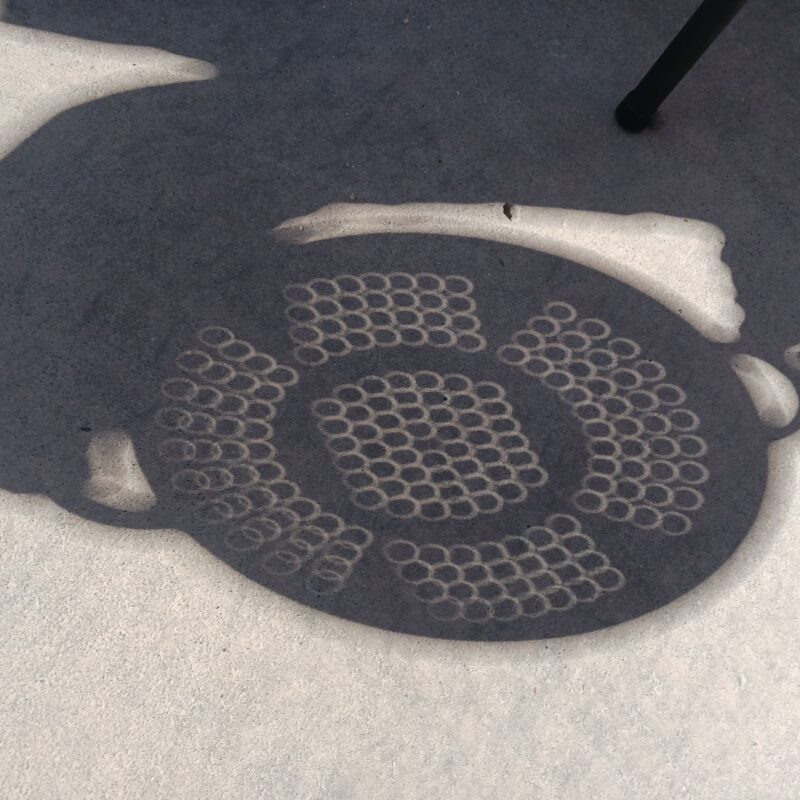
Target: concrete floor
<point>134,663</point>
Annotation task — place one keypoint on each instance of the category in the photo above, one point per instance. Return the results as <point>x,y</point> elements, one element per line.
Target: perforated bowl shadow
<point>456,439</point>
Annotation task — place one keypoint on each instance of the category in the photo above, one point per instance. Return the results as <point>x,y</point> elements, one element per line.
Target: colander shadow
<point>132,224</point>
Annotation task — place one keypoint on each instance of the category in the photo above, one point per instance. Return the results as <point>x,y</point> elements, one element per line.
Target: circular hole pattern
<point>218,439</point>
<point>330,318</point>
<point>638,429</point>
<point>547,568</point>
<point>428,445</point>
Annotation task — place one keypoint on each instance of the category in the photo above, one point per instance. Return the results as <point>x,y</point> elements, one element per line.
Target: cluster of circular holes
<point>333,317</point>
<point>332,553</point>
<point>645,455</point>
<point>428,445</point>
<point>219,439</point>
<point>550,567</point>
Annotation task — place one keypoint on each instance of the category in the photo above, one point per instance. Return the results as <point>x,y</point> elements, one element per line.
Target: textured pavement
<point>134,663</point>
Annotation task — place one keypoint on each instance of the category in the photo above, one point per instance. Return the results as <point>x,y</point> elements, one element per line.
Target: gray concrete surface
<point>135,664</point>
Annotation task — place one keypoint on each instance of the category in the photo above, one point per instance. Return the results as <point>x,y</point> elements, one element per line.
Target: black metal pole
<point>637,109</point>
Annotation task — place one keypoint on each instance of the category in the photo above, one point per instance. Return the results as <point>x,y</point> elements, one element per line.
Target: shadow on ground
<point>129,224</point>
